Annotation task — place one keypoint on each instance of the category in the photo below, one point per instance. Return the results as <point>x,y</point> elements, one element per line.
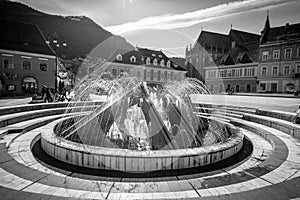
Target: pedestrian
<point>297,117</point>
<point>44,92</point>
<point>49,95</point>
<point>296,93</point>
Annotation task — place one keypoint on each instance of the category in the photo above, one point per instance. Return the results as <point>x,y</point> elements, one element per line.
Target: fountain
<point>140,128</point>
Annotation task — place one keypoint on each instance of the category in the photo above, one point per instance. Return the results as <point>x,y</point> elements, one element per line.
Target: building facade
<point>238,77</point>
<point>154,67</point>
<point>27,62</point>
<point>279,59</point>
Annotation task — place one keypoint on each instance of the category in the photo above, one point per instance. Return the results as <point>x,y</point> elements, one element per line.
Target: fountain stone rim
<point>58,148</point>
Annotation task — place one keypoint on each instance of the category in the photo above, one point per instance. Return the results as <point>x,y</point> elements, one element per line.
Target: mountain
<point>81,34</point>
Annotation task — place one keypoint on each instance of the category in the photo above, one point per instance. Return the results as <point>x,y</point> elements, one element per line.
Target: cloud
<point>172,21</point>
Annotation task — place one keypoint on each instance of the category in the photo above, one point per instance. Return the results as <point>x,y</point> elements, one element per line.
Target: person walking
<point>297,117</point>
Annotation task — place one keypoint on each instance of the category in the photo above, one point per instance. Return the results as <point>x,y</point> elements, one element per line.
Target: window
<point>175,77</point>
<point>151,74</point>
<point>26,65</point>
<point>158,75</point>
<point>119,57</point>
<point>43,66</point>
<point>264,71</point>
<point>262,86</point>
<point>288,53</point>
<point>121,72</point>
<point>155,62</point>
<point>114,72</point>
<point>166,75</point>
<point>287,69</point>
<point>276,54</point>
<point>298,69</point>
<point>168,63</point>
<point>275,70</point>
<point>11,88</point>
<point>8,63</point>
<point>229,73</point>
<point>248,88</point>
<point>133,59</point>
<point>138,74</point>
<point>265,55</point>
<point>29,85</point>
<point>148,61</point>
<point>162,63</point>
<point>298,52</point>
<point>169,76</point>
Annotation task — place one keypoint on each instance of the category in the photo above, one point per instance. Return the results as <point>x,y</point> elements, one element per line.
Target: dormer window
<point>168,64</point>
<point>162,63</point>
<point>155,62</point>
<point>132,59</point>
<point>119,57</point>
<point>153,55</point>
<point>148,61</point>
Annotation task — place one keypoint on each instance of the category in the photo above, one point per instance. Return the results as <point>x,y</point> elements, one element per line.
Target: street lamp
<point>53,40</point>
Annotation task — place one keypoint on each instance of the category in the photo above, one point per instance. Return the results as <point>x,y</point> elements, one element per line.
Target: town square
<point>150,99</point>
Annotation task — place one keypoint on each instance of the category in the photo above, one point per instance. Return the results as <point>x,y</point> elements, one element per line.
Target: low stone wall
<point>276,114</point>
<point>291,129</point>
<point>137,161</point>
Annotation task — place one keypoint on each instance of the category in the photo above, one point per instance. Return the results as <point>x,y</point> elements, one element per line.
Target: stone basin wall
<point>137,161</point>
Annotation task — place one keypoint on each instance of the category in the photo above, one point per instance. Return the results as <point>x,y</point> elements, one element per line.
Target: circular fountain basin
<point>138,161</point>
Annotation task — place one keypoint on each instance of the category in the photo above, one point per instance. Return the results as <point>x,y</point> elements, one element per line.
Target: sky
<point>170,25</point>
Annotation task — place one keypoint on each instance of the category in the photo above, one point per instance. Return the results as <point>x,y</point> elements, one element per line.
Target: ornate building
<point>279,58</point>
<point>27,62</point>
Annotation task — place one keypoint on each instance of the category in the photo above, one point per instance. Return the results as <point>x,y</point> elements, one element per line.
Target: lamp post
<point>54,41</point>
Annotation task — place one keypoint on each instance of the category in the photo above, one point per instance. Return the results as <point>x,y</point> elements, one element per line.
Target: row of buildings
<point>247,62</point>
<point>28,62</point>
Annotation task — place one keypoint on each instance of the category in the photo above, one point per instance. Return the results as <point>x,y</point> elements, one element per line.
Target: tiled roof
<point>126,55</point>
<point>214,39</point>
<point>282,33</point>
<point>245,53</point>
<point>242,37</point>
<point>24,37</point>
<point>141,55</point>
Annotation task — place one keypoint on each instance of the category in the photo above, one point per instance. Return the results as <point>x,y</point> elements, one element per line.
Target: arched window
<point>155,62</point>
<point>26,65</point>
<point>133,59</point>
<point>162,63</point>
<point>8,63</point>
<point>119,57</point>
<point>29,85</point>
<point>43,66</point>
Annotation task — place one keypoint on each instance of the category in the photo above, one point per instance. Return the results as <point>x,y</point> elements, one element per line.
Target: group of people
<point>50,95</point>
